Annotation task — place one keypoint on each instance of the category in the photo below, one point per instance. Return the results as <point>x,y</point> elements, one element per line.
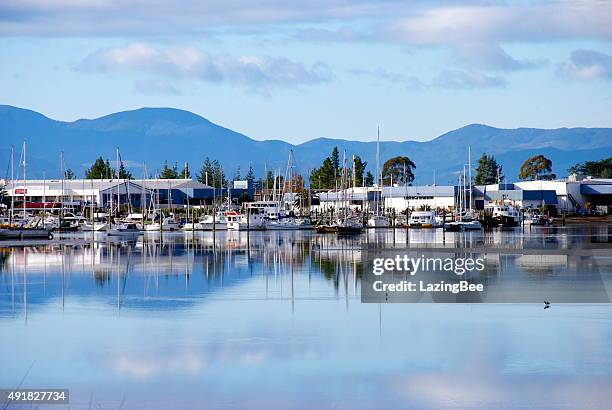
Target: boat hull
<point>25,233</point>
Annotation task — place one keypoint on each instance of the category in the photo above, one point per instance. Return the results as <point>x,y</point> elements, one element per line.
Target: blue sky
<point>277,69</point>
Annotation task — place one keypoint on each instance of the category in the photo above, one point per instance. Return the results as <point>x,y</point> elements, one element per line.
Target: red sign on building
<point>21,191</point>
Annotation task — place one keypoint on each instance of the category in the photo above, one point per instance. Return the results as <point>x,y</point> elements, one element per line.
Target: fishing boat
<point>504,214</point>
<point>423,219</point>
<point>129,229</point>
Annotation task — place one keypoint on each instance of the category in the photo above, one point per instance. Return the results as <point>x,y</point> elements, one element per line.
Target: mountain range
<point>153,135</point>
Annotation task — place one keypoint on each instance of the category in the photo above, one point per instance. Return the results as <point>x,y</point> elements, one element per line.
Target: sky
<point>297,70</point>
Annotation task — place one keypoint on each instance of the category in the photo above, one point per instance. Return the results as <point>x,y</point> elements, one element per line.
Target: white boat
<point>285,224</point>
<point>95,227</point>
<point>218,222</point>
<point>168,224</point>
<point>472,225</point>
<point>239,222</point>
<point>124,230</point>
<point>505,214</point>
<point>423,219</point>
<point>378,221</point>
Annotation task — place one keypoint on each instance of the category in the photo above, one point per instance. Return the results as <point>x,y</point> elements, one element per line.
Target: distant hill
<point>152,135</point>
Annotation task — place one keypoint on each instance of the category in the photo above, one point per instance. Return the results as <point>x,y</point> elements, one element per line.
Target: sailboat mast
<point>118,193</point>
<point>470,174</point>
<point>24,179</point>
<point>63,172</point>
<point>12,183</point>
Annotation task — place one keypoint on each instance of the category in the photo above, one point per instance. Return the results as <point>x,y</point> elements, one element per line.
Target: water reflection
<point>274,320</point>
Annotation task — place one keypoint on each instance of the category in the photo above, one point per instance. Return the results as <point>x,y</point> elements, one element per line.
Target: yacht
<point>218,222</point>
<point>129,229</point>
<point>378,221</point>
<point>168,224</point>
<point>285,224</point>
<point>241,222</point>
<point>423,219</point>
<point>29,229</point>
<point>349,226</point>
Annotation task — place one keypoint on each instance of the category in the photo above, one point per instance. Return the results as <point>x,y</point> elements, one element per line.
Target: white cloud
<point>578,19</point>
<point>459,79</point>
<point>190,62</point>
<point>447,78</point>
<point>587,65</point>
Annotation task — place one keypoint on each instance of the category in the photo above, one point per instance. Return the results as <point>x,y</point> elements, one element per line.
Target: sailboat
<point>467,217</point>
<point>29,227</point>
<point>377,220</point>
<point>161,222</point>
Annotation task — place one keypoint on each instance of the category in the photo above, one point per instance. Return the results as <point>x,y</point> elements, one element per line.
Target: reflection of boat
<point>124,230</point>
<point>423,219</point>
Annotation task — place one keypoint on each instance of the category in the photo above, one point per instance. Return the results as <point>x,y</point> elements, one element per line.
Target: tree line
<point>398,169</point>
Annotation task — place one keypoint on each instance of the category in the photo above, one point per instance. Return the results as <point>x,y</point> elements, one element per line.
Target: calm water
<point>274,320</point>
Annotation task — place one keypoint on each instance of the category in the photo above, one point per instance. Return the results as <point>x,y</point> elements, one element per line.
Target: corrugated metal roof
<point>596,189</point>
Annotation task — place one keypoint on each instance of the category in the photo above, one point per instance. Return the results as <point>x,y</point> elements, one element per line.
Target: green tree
<point>325,176</point>
<point>488,171</point>
<point>169,173</point>
<point>206,172</point>
<point>360,166</point>
<point>335,159</point>
<point>237,176</point>
<point>124,173</point>
<point>596,169</point>
<point>100,169</point>
<point>398,169</point>
<point>369,179</point>
<point>218,175</point>
<point>268,181</point>
<point>536,168</point>
<point>68,174</point>
<point>251,174</point>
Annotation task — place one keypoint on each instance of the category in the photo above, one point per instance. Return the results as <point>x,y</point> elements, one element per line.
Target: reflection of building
<point>40,194</point>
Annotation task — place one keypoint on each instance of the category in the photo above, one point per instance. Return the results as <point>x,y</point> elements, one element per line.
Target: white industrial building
<point>401,198</point>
